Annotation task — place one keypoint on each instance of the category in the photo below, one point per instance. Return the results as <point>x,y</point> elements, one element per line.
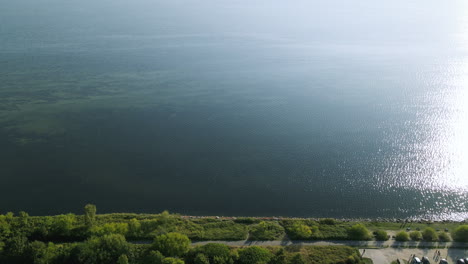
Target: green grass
<point>266,231</point>
<point>391,226</point>
<point>199,229</point>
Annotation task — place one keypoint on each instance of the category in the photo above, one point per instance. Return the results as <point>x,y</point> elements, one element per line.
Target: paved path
<point>361,244</point>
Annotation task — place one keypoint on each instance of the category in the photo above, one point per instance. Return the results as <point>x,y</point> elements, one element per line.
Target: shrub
<point>444,237</point>
<point>381,235</point>
<point>461,233</point>
<point>402,236</point>
<point>358,232</point>
<point>266,231</point>
<point>134,228</point>
<point>297,259</point>
<point>254,255</point>
<point>153,257</point>
<point>415,236</point>
<point>429,234</point>
<point>300,231</point>
<point>327,221</point>
<point>109,228</point>
<point>171,260</point>
<point>172,244</point>
<point>106,249</point>
<point>279,258</point>
<point>213,251</point>
<point>123,259</point>
<point>201,259</point>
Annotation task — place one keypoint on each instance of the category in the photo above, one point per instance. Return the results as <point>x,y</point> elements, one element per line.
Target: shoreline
<point>379,219</point>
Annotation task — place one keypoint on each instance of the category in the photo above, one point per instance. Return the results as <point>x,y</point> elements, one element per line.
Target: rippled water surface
<point>297,108</point>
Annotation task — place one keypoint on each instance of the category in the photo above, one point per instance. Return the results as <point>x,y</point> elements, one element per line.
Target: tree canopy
<point>461,233</point>
<point>172,244</point>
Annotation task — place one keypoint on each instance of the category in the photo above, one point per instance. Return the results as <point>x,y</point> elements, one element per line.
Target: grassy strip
<point>63,228</point>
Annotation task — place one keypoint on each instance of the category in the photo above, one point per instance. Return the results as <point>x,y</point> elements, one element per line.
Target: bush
<point>201,259</point>
<point>153,257</point>
<point>106,249</point>
<point>461,233</point>
<point>123,259</point>
<point>172,244</point>
<point>300,231</point>
<point>381,235</point>
<point>297,259</point>
<point>444,237</point>
<point>402,236</point>
<point>358,232</point>
<point>279,258</point>
<point>172,261</point>
<point>212,252</point>
<point>429,234</point>
<point>266,231</point>
<point>223,230</point>
<point>327,221</point>
<point>416,236</point>
<point>109,228</point>
<point>254,255</point>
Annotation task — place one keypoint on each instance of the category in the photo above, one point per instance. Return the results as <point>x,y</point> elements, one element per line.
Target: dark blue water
<point>235,107</point>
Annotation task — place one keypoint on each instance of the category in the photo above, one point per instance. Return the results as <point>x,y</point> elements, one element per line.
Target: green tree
<point>5,229</point>
<point>16,246</point>
<point>254,255</point>
<point>123,259</point>
<point>25,225</point>
<point>43,253</point>
<point>279,258</point>
<point>461,233</point>
<point>381,235</point>
<point>358,232</point>
<point>103,250</point>
<point>200,258</point>
<point>63,224</point>
<point>429,234</point>
<point>415,236</point>
<point>134,228</point>
<point>402,236</point>
<point>171,260</point>
<point>172,244</point>
<point>154,257</point>
<point>216,253</point>
<point>298,259</point>
<point>89,215</point>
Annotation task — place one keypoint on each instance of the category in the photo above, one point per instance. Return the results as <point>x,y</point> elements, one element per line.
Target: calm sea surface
<point>285,108</point>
